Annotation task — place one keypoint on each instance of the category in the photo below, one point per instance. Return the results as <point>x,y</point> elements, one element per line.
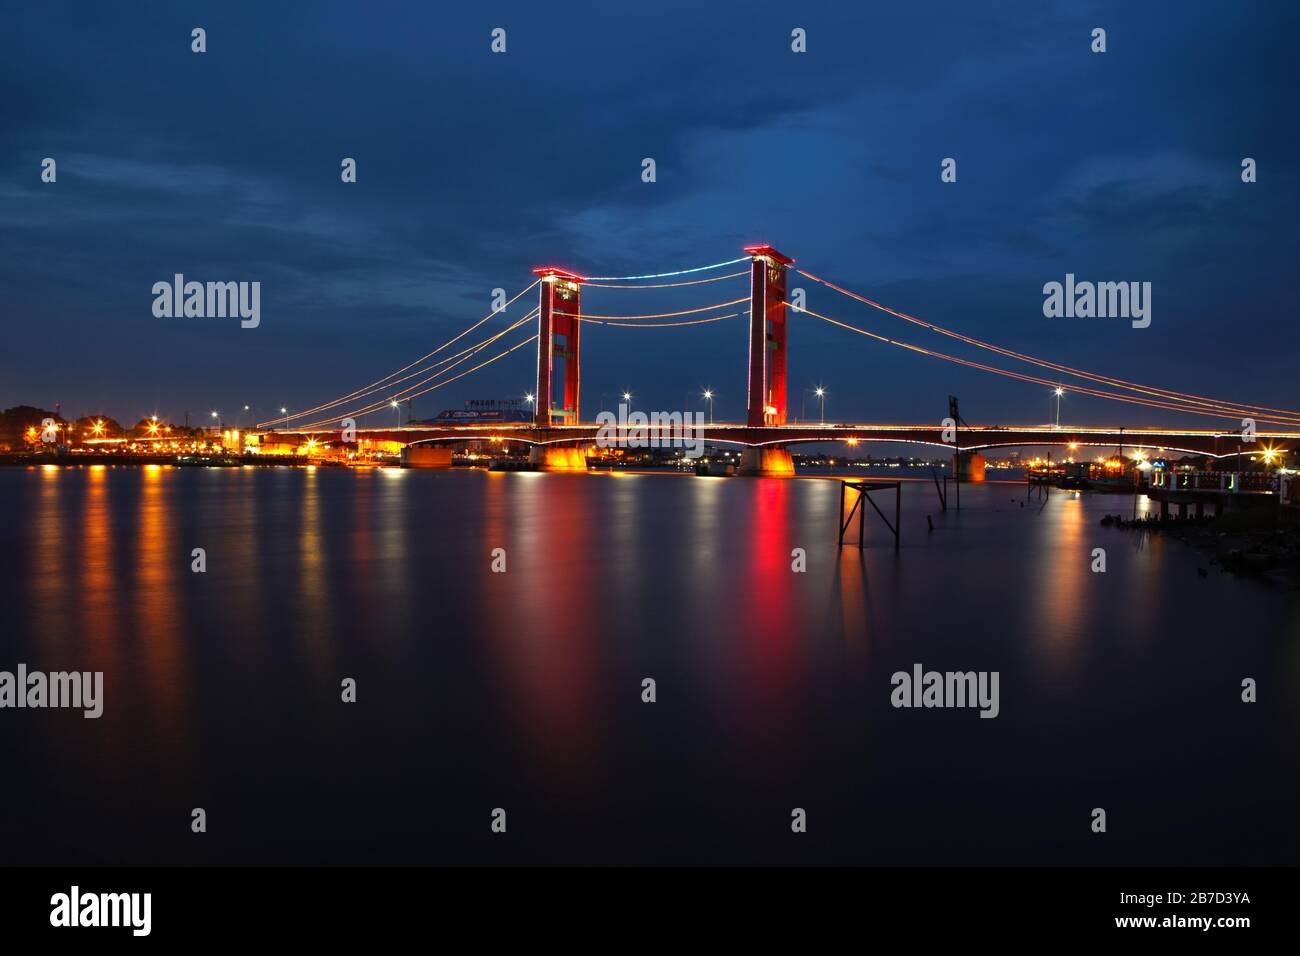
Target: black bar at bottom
<point>336,905</point>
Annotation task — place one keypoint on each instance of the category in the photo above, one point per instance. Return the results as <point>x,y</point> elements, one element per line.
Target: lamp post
<point>708,397</point>
<point>1058,393</point>
<point>1266,456</point>
<point>398,409</point>
<point>820,392</point>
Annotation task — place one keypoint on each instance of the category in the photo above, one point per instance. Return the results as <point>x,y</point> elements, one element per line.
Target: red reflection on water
<point>764,640</point>
<point>545,626</point>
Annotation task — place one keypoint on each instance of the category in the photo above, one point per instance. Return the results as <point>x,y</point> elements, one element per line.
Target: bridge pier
<point>426,456</point>
<point>569,458</point>
<point>968,466</point>
<point>766,462</point>
<point>1191,501</point>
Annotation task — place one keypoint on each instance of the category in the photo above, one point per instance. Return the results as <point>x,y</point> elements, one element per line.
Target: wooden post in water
<point>942,492</point>
<point>955,415</point>
<point>898,509</point>
<point>864,489</point>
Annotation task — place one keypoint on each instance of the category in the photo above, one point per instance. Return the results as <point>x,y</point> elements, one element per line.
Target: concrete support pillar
<point>1182,510</point>
<point>969,465</point>
<point>426,456</point>
<point>1164,509</point>
<point>767,462</point>
<point>565,458</point>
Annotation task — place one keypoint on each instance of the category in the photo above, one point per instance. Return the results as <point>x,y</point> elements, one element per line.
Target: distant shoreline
<point>76,462</point>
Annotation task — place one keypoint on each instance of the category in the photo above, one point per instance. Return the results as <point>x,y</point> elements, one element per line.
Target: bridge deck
<point>1219,444</point>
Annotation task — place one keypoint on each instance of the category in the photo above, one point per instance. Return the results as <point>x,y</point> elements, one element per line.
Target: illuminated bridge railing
<point>1223,482</point>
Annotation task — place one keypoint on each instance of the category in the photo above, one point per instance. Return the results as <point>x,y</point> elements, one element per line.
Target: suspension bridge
<point>560,438</point>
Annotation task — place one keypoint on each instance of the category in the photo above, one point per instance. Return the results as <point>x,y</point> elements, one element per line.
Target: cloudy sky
<point>474,167</point>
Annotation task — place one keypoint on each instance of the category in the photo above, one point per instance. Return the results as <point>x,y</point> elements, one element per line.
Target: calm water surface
<point>522,690</point>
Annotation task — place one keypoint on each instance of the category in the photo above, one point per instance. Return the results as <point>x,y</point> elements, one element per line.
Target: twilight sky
<point>474,167</point>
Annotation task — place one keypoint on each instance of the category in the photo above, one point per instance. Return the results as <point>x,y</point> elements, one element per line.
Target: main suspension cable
<point>454,360</point>
<point>367,389</point>
<point>665,285</point>
<point>583,316</point>
<point>1236,408</point>
<point>668,275</point>
<point>667,325</point>
<point>409,391</point>
<point>1020,376</point>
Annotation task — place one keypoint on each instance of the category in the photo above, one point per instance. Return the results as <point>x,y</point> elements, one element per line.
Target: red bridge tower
<point>767,336</point>
<point>558,343</point>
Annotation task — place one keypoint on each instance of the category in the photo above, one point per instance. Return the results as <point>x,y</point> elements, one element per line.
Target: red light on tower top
<point>769,253</point>
<point>553,272</point>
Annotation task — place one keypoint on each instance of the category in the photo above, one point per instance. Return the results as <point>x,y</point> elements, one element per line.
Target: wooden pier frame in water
<point>1038,480</point>
<point>942,490</point>
<point>864,490</point>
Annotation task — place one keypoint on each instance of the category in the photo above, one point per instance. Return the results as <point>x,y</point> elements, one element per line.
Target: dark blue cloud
<point>474,168</point>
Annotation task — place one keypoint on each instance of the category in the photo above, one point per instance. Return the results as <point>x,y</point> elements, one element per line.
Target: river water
<point>522,690</point>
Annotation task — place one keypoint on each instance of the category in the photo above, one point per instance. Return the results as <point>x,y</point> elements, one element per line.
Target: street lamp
<point>1058,392</point>
<point>397,408</point>
<point>708,397</point>
<point>820,392</point>
<point>627,397</point>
